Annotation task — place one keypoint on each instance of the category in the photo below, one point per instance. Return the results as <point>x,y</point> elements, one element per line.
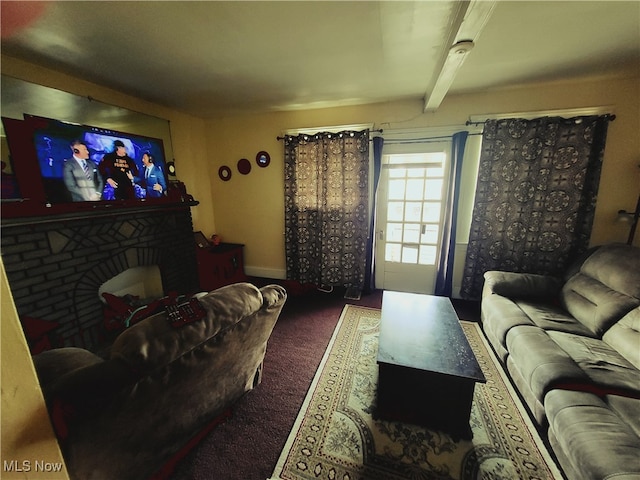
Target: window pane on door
<point>429,235</point>
<point>416,172</point>
<point>395,212</point>
<point>415,189</point>
<point>433,189</point>
<point>409,254</point>
<point>413,212</point>
<point>427,255</point>
<point>396,189</point>
<point>435,172</point>
<point>431,212</point>
<point>394,232</point>
<point>393,252</point>
<point>411,233</point>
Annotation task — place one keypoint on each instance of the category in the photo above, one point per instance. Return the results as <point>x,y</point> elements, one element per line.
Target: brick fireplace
<point>56,265</point>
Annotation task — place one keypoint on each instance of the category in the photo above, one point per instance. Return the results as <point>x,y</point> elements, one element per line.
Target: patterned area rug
<point>336,437</point>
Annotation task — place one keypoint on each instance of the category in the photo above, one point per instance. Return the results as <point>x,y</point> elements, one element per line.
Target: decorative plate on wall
<point>263,159</point>
<point>171,169</point>
<point>244,166</point>
<point>224,173</point>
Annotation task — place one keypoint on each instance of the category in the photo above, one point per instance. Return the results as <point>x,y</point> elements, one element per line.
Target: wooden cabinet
<point>220,265</point>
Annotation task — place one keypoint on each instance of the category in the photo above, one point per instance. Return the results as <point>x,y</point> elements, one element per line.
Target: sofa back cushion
<point>624,336</point>
<point>606,287</point>
<point>154,343</point>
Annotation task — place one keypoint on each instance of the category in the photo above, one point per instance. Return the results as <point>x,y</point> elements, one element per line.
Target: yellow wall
<point>27,440</point>
<point>249,209</point>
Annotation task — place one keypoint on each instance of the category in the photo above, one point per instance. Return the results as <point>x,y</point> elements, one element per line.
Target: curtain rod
<point>282,138</point>
<point>567,113</point>
<point>423,139</point>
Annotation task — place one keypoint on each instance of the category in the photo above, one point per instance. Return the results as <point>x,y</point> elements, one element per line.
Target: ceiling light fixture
<point>456,57</point>
<point>468,19</point>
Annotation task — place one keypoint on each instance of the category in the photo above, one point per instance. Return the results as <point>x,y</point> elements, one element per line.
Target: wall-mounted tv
<point>83,163</point>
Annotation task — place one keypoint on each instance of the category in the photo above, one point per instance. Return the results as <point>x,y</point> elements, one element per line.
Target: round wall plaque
<point>244,166</point>
<point>224,173</point>
<point>263,159</point>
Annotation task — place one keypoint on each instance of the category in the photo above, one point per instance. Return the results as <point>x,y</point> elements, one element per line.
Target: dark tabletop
<point>423,332</point>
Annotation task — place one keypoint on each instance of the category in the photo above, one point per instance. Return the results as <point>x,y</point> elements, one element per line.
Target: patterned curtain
<point>326,208</point>
<point>535,196</point>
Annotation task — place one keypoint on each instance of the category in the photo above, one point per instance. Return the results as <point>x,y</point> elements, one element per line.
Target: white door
<point>409,219</point>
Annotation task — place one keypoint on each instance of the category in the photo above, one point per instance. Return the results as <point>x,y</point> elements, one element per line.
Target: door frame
<point>387,277</point>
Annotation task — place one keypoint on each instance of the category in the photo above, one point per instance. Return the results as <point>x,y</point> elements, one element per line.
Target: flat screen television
<point>83,163</point>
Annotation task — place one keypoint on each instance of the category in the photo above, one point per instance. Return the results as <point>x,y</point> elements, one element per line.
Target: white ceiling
<point>205,57</point>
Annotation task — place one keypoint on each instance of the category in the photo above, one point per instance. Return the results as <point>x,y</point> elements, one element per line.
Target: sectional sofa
<point>572,348</point>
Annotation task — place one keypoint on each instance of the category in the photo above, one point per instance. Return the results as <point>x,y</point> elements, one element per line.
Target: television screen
<point>82,163</point>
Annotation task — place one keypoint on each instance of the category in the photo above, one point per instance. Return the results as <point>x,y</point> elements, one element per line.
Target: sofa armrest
<point>273,295</point>
<point>50,365</point>
<point>521,285</point>
<point>77,384</point>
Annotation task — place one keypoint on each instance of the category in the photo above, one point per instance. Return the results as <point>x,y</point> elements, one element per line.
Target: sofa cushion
<point>606,288</point>
<point>617,266</point>
<point>601,444</point>
<point>532,399</point>
<point>624,336</point>
<point>594,304</point>
<point>607,370</point>
<point>627,409</point>
<point>552,317</point>
<point>499,315</point>
<point>539,360</point>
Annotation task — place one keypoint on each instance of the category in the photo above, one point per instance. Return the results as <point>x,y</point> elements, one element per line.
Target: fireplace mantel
<point>97,210</point>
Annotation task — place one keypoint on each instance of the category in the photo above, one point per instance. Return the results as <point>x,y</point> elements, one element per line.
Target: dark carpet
<point>247,445</point>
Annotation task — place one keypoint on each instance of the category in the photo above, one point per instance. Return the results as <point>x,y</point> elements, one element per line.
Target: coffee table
<point>427,369</point>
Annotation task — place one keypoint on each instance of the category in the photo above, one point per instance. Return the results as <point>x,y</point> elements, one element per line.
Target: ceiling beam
<point>468,19</point>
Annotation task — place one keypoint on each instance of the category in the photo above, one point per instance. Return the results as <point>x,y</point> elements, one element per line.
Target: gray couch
<point>124,417</point>
<point>572,348</point>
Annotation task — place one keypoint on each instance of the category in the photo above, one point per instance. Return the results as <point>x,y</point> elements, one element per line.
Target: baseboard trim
<point>262,272</point>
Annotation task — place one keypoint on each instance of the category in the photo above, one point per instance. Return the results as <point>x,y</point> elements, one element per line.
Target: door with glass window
<point>409,220</point>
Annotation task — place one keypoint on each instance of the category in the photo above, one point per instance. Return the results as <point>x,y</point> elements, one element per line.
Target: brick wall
<point>56,266</point>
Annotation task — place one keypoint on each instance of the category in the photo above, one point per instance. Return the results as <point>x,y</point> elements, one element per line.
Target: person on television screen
<point>118,171</point>
<point>151,178</point>
<point>80,175</point>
